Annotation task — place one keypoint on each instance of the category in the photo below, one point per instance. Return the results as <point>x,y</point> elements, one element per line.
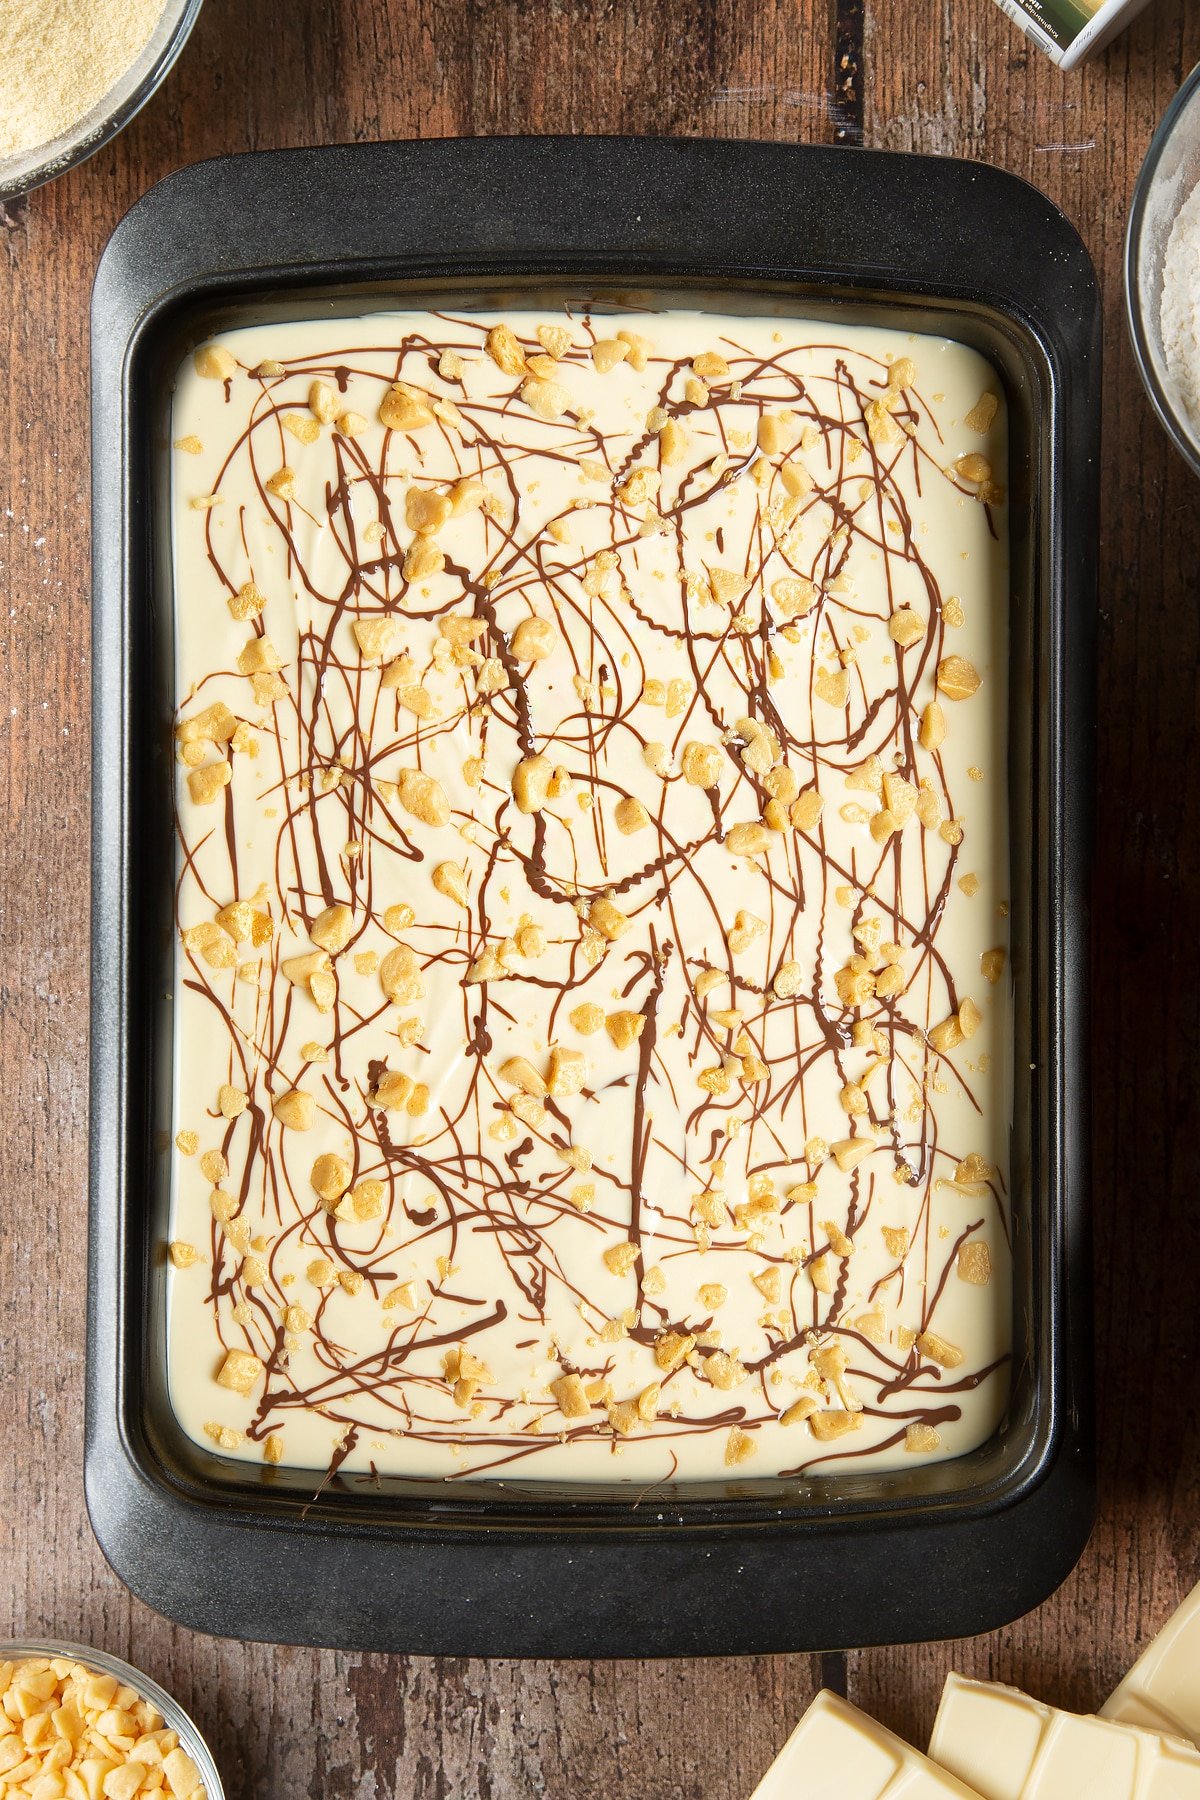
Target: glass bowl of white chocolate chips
<point>1162,271</point>
<point>75,74</point>
<point>78,1724</point>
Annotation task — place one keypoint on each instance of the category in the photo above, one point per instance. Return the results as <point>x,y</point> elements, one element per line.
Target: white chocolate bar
<point>1010,1747</point>
<point>1162,1690</point>
<point>838,1753</point>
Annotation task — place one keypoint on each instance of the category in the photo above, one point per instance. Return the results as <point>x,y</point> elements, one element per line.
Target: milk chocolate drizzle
<point>334,747</point>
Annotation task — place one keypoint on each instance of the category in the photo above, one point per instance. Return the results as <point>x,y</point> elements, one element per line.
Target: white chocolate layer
<point>814,1197</point>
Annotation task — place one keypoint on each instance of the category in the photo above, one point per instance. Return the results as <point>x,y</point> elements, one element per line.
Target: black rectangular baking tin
<point>475,1569</point>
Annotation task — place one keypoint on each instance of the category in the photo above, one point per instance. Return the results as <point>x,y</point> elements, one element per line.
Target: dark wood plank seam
<point>849,68</point>
<point>833,1672</point>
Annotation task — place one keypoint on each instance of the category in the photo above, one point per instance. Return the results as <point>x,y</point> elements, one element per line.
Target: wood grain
<point>949,77</point>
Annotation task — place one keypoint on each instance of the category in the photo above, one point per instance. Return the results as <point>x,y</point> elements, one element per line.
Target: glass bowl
<point>145,75</point>
<point>1169,174</point>
<point>173,1714</point>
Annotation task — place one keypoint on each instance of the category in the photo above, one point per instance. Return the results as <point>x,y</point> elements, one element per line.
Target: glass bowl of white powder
<point>75,73</point>
<point>1162,270</point>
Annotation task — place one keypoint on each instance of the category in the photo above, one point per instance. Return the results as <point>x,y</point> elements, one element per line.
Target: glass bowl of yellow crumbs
<point>78,1724</point>
<point>76,74</point>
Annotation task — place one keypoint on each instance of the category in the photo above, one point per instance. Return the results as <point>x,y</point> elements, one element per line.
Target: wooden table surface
<point>952,77</point>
